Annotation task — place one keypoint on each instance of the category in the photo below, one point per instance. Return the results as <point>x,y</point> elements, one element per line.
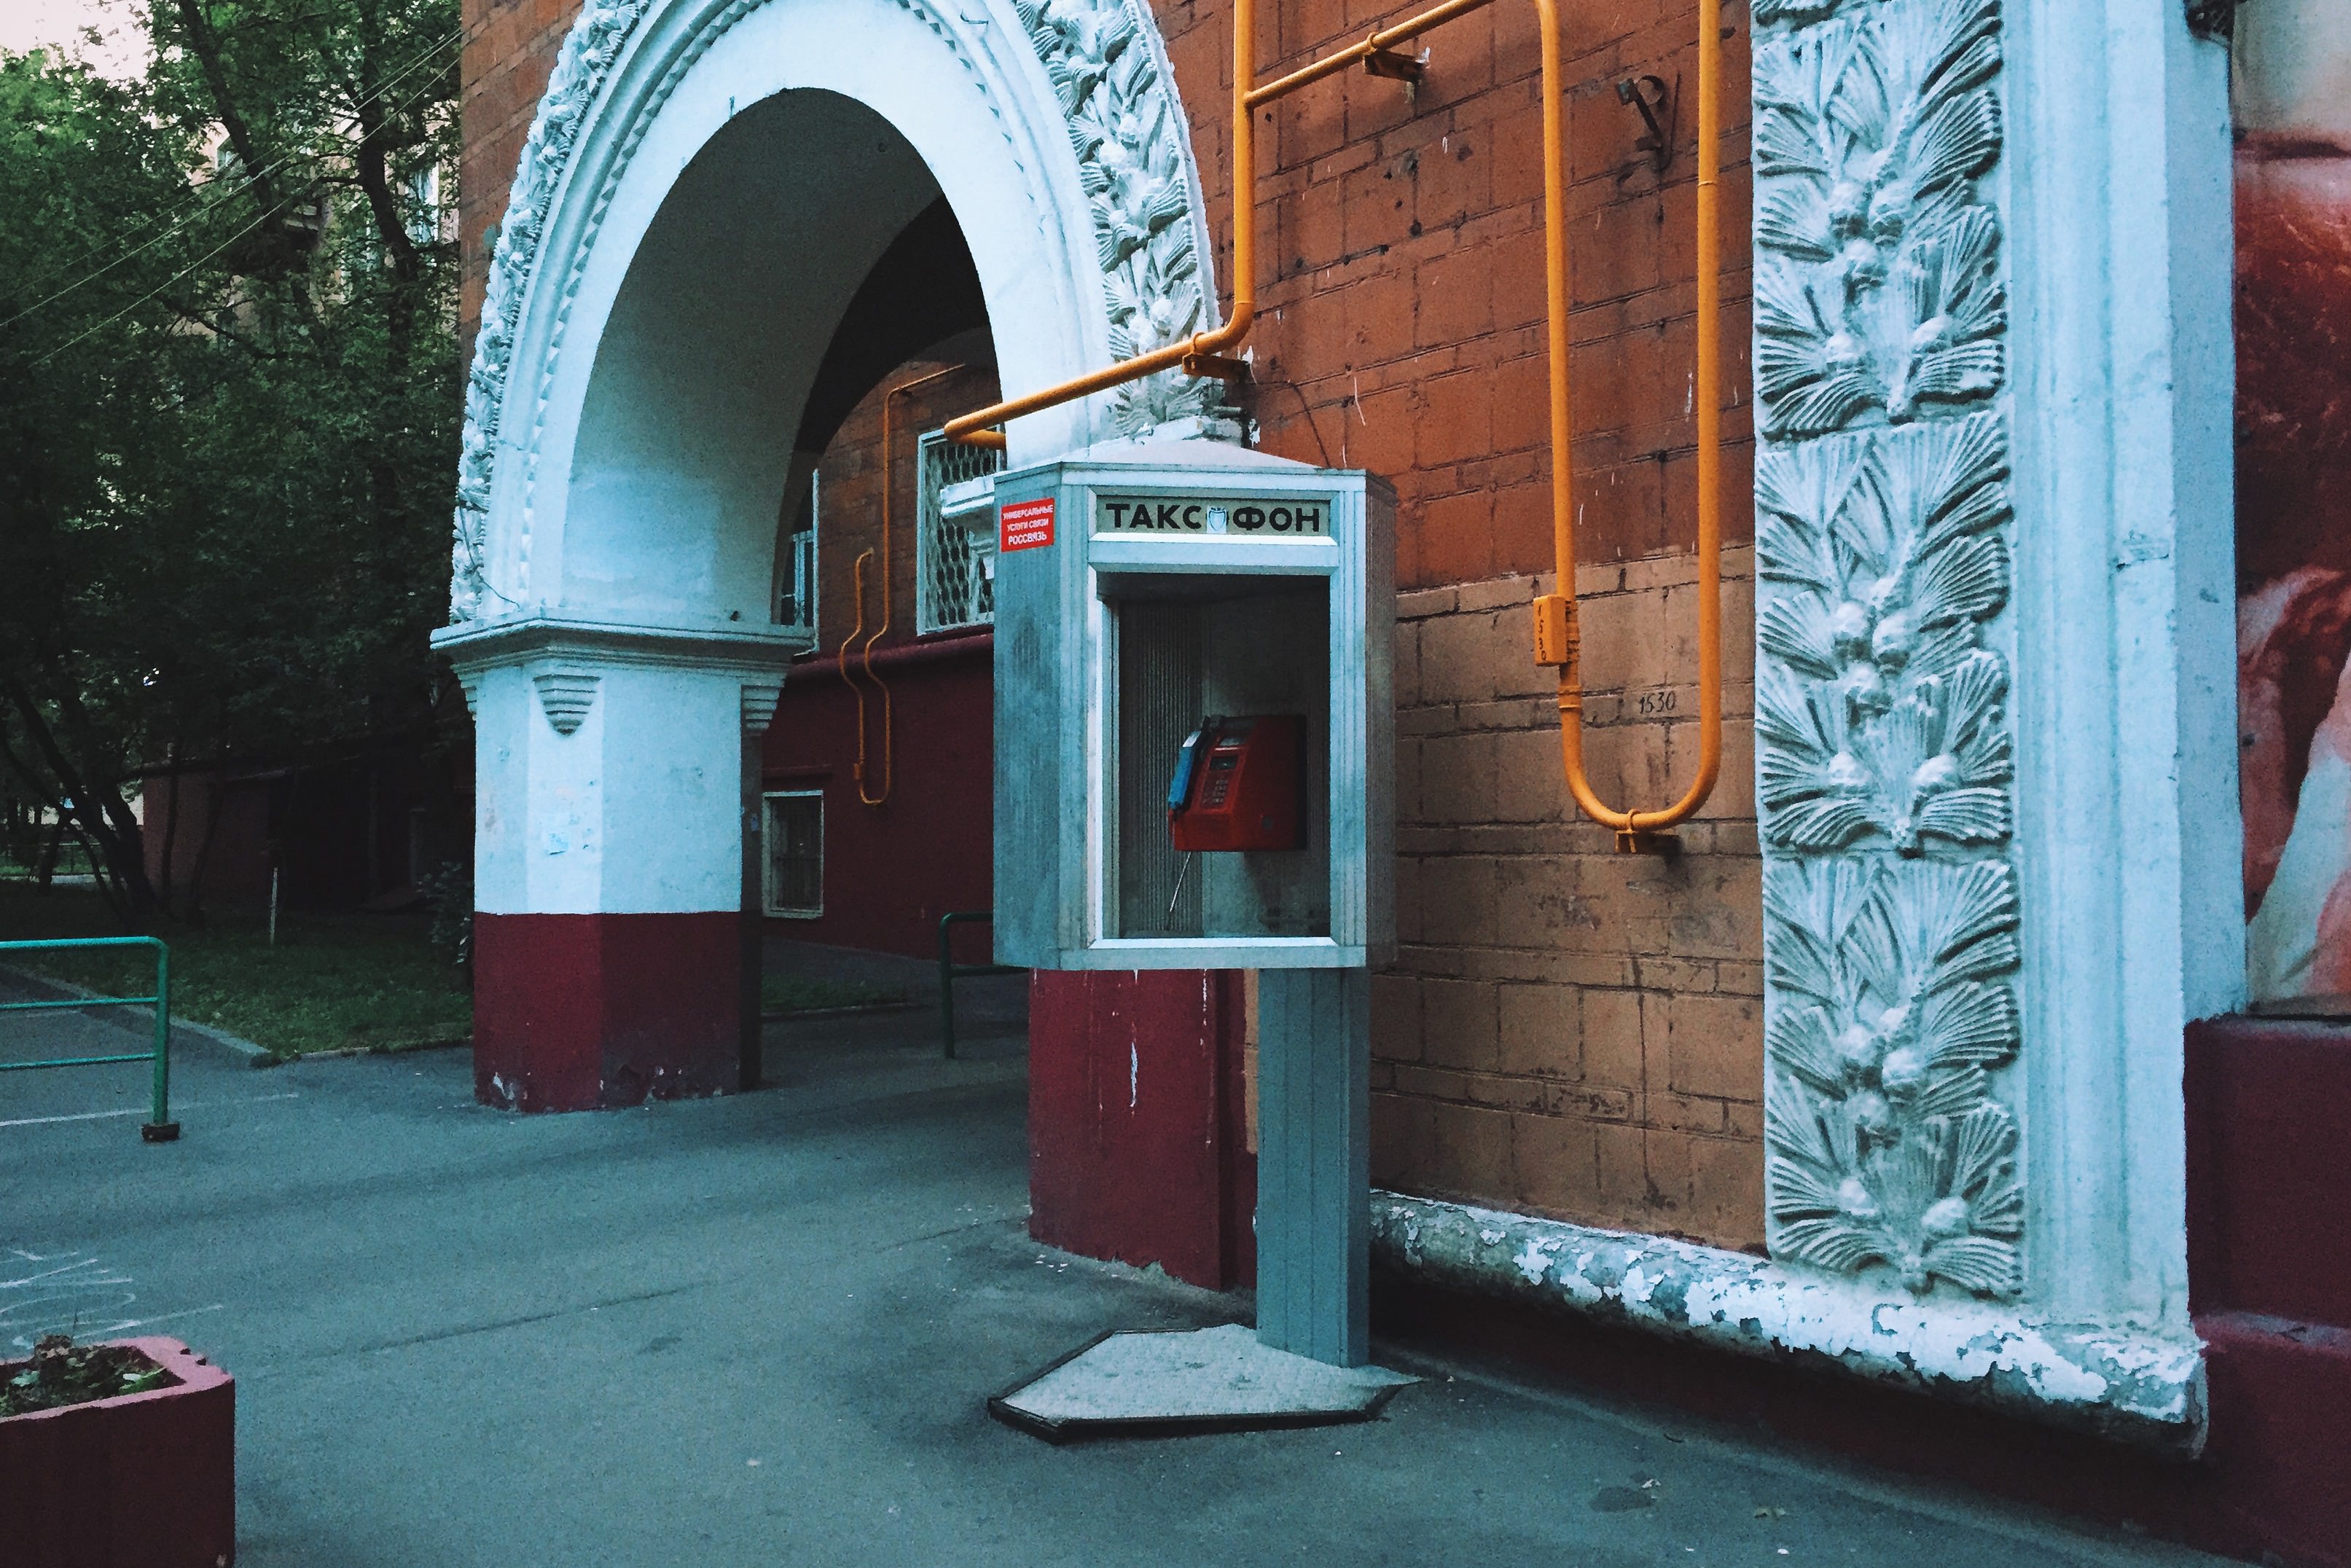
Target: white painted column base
<point>611,825</point>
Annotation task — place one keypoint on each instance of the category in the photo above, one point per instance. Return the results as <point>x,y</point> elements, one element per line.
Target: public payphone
<point>1241,784</point>
<point>1194,723</point>
<point>1194,711</point>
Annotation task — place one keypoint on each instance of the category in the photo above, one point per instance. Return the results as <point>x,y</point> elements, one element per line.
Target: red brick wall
<point>850,486</point>
<point>510,49</point>
<point>1400,285</point>
<point>1567,1030</point>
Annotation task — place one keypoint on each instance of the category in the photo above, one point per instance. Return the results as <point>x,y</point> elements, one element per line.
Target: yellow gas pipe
<point>1557,636</point>
<point>889,475</point>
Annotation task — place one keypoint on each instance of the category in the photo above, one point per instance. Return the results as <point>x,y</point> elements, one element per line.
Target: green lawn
<point>333,982</point>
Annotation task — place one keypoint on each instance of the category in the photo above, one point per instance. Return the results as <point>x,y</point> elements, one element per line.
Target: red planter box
<point>143,1480</point>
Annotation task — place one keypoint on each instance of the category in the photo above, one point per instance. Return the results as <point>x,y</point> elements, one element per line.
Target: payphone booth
<point>1194,750</point>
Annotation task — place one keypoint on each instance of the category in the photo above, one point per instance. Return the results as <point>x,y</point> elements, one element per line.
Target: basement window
<point>793,823</point>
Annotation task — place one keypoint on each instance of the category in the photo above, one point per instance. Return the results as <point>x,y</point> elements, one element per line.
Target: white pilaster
<point>1994,708</point>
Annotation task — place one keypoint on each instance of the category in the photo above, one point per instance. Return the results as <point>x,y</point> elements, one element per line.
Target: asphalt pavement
<point>760,1330</point>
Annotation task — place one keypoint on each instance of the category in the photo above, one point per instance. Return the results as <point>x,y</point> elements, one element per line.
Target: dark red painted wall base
<point>2279,1465</point>
<point>892,870</point>
<point>576,1012</point>
<point>1137,1137</point>
<point>2269,1274</point>
<point>2269,1205</point>
<point>147,1481</point>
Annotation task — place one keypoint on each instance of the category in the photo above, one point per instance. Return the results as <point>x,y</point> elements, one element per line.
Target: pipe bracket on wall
<point>1656,102</point>
<point>1222,367</point>
<point>1395,65</point>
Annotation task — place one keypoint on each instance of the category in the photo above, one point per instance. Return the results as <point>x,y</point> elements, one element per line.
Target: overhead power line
<point>213,202</point>
<point>246,228</point>
<point>460,37</point>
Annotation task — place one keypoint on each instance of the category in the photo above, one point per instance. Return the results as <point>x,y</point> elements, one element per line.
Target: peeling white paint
<point>2114,1379</point>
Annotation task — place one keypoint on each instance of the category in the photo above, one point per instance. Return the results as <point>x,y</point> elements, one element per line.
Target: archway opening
<point>799,258</point>
<point>736,339</point>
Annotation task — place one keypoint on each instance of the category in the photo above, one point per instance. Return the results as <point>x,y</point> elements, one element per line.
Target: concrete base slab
<point>1213,1379</point>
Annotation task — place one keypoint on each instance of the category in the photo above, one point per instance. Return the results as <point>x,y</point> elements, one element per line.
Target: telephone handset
<point>1241,784</point>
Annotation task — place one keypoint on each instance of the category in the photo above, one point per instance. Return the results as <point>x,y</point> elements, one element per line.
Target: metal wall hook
<point>1655,101</point>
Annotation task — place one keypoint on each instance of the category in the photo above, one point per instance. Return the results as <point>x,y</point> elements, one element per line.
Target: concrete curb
<point>236,1046</point>
<point>393,1048</point>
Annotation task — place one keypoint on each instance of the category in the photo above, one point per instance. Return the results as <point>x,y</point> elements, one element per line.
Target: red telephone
<point>1241,784</point>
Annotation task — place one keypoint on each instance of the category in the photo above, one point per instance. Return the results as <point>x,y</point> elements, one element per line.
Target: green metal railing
<point>950,972</point>
<point>159,1128</point>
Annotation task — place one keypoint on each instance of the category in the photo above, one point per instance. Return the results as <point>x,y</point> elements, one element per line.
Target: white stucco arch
<point>706,185</point>
<point>570,503</point>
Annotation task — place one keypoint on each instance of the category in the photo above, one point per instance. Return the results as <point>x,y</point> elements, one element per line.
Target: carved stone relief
<point>1123,123</point>
<point>1127,130</point>
<point>1881,708</point>
<point>1884,763</point>
<point>1878,290</point>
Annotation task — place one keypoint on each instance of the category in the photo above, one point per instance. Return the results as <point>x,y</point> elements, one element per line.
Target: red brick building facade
<point>1570,1036</point>
<point>1566,1031</point>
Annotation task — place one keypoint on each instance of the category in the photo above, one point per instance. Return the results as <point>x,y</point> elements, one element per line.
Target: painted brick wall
<point>1569,1030</point>
<point>1566,1029</point>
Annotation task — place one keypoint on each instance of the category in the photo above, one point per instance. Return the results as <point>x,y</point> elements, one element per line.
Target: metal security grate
<point>955,565</point>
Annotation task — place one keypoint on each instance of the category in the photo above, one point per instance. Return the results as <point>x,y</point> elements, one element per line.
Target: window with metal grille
<point>794,828</point>
<point>955,563</point>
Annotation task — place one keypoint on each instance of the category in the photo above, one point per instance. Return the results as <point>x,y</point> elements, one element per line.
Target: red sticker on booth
<point>1024,524</point>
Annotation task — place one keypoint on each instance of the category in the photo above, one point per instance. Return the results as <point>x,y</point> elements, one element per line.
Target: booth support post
<point>1313,1228</point>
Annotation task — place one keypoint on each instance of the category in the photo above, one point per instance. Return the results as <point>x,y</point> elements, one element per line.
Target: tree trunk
<point>98,817</point>
<point>171,828</point>
<point>205,846</point>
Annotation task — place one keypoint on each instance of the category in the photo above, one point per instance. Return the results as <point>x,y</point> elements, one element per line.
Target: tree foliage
<point>230,391</point>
